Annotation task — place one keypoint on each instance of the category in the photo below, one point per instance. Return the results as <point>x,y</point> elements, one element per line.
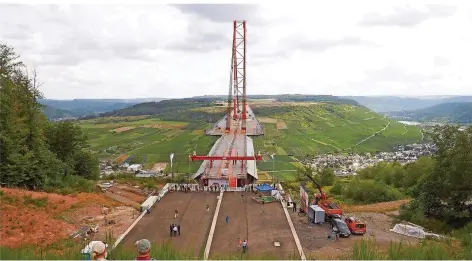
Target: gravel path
<point>314,238</point>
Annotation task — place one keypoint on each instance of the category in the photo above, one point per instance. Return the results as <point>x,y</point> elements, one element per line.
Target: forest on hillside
<point>35,153</point>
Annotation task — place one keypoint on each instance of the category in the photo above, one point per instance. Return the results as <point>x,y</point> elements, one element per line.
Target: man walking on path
<point>175,230</point>
<point>176,213</point>
<point>208,208</point>
<point>227,219</point>
<point>244,245</point>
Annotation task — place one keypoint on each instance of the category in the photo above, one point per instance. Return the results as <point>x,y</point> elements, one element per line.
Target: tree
<point>414,171</point>
<point>445,192</point>
<point>33,152</point>
<point>327,177</point>
<point>24,158</point>
<point>69,143</point>
<point>65,138</point>
<point>304,172</point>
<point>86,165</point>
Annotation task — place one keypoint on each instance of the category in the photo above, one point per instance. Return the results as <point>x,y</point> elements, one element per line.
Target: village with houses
<point>345,165</point>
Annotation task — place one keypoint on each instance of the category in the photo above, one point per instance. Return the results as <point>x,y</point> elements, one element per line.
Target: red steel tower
<point>238,69</point>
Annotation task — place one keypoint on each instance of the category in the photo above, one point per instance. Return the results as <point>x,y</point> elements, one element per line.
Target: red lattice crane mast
<point>237,87</point>
<point>236,94</point>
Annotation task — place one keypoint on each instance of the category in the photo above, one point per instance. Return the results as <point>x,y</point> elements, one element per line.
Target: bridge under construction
<point>232,159</point>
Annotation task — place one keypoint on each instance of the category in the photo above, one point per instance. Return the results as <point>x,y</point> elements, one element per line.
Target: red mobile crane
<point>332,210</point>
<point>321,199</point>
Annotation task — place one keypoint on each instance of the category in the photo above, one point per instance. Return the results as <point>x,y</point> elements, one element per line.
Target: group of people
<point>186,187</point>
<point>174,230</point>
<point>210,188</point>
<point>242,245</point>
<point>143,247</point>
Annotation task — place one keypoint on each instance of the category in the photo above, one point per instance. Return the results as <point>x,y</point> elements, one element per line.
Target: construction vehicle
<point>340,227</point>
<point>321,199</point>
<point>356,226</point>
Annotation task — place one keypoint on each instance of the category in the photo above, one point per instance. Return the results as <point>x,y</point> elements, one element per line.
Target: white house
<point>135,167</point>
<point>125,165</point>
<point>145,175</point>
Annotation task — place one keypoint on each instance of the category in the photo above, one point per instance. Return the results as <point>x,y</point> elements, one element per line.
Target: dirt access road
<point>315,243</point>
<point>193,218</point>
<point>260,229</point>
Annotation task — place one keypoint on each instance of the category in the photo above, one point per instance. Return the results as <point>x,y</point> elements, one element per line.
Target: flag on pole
<point>171,158</point>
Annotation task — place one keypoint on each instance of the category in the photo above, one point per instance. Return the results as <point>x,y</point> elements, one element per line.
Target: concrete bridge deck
<point>193,218</point>
<point>248,221</point>
<point>253,127</point>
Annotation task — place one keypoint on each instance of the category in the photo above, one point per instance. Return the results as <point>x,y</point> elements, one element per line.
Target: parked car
<point>340,227</point>
<point>356,226</point>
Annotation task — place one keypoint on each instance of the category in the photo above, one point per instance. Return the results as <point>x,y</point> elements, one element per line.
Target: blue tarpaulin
<point>265,187</point>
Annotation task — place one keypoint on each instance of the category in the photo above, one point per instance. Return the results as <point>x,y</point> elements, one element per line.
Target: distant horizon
<point>210,95</point>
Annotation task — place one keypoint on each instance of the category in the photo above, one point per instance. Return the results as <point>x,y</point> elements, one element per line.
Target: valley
<point>293,131</point>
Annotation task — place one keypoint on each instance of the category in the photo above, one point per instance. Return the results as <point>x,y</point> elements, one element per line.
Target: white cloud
<point>339,48</point>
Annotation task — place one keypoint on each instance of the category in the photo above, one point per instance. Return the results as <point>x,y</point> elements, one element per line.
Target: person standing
<point>262,205</point>
<point>143,247</point>
<point>244,245</point>
<point>176,213</point>
<point>294,206</point>
<point>240,243</point>
<point>99,251</point>
<point>175,230</point>
<point>227,219</point>
<point>178,229</point>
<point>171,229</point>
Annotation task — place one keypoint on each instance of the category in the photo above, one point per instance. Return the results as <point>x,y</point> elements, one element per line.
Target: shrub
<point>337,189</point>
<point>426,250</point>
<point>39,202</point>
<point>370,191</point>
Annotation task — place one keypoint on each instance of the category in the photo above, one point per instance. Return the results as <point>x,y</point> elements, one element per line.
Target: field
<point>292,131</point>
<point>148,142</point>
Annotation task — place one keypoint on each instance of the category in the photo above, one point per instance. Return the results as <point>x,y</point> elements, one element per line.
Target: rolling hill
<point>394,103</point>
<point>445,113</point>
<point>293,130</point>
<point>83,107</point>
<point>54,113</point>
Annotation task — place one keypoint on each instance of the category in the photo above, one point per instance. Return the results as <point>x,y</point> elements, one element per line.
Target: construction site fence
<point>193,187</point>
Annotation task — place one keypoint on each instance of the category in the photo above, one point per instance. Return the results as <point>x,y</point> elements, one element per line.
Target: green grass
<point>70,250</point>
<point>326,128</point>
<point>426,250</point>
<point>314,129</point>
<point>363,250</point>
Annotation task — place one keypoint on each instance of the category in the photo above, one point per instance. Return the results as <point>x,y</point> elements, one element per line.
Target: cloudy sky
<point>338,48</point>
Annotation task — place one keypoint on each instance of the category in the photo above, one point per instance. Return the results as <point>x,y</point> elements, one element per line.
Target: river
<point>414,123</point>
